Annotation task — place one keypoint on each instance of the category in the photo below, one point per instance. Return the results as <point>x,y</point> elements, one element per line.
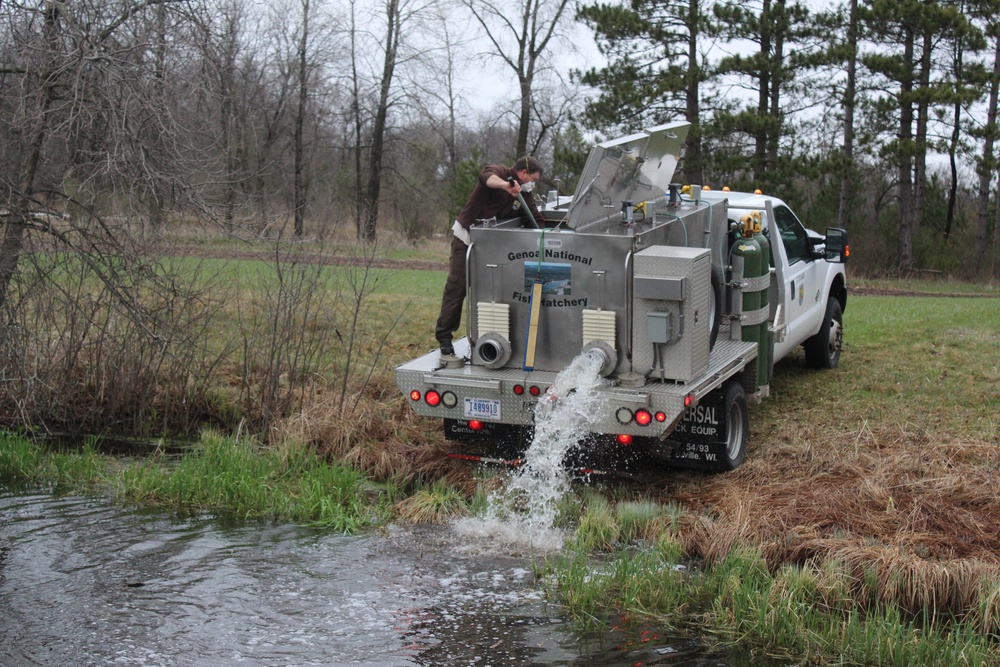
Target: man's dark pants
<point>454,294</point>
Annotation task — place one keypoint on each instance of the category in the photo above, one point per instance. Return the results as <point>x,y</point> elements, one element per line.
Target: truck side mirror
<point>837,247</point>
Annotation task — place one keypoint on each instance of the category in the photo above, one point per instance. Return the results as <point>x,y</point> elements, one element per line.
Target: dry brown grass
<point>381,436</point>
<point>911,519</point>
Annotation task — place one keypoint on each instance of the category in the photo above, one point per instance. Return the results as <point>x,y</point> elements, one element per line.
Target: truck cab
<point>808,275</point>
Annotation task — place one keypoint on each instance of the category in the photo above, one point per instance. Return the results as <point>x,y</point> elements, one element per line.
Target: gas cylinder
<point>748,248</point>
<point>765,346</point>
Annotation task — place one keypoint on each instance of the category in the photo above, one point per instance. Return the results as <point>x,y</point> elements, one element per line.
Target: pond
<point>86,582</point>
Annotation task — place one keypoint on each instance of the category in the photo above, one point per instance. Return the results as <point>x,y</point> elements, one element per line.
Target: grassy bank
<point>818,612</point>
<point>217,476</point>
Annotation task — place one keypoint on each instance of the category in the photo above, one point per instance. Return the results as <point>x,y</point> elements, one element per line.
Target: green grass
<point>218,476</point>
<point>927,285</point>
<point>917,363</point>
<point>427,250</point>
<point>412,296</point>
<point>24,461</point>
<point>796,614</point>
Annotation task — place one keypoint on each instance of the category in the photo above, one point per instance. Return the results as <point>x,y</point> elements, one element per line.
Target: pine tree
<point>654,72</point>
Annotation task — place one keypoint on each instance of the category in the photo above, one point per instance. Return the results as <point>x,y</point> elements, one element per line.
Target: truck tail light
<point>414,395</point>
<point>643,417</point>
<point>432,398</point>
<point>624,439</point>
<point>476,425</point>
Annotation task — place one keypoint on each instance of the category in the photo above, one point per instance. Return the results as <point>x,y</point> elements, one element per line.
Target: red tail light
<point>643,417</point>
<point>624,439</point>
<point>476,425</point>
<point>432,398</point>
<point>414,395</point>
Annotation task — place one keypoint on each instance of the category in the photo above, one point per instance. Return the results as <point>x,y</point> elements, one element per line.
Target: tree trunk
<point>953,143</point>
<point>846,178</point>
<point>370,217</point>
<point>300,118</point>
<point>359,196</point>
<point>920,147</point>
<point>988,162</point>
<point>904,253</point>
<point>776,67</point>
<point>763,96</point>
<point>693,161</point>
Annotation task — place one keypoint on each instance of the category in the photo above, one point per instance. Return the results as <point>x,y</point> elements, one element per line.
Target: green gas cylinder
<point>748,248</point>
<point>765,346</point>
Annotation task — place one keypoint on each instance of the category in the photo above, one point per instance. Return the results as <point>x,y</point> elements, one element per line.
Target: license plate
<point>482,408</point>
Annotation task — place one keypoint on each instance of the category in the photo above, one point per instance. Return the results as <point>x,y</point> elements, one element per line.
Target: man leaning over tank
<point>495,195</point>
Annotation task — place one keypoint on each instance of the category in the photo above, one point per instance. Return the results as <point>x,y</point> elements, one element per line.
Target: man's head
<point>527,169</point>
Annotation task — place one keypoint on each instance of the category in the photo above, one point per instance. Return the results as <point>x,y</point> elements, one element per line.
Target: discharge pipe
<point>605,354</point>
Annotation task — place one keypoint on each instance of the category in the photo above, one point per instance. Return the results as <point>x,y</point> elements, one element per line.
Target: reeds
<point>437,503</point>
<point>804,613</point>
<point>24,461</point>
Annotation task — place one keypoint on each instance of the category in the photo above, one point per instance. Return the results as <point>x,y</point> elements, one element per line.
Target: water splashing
<point>526,508</point>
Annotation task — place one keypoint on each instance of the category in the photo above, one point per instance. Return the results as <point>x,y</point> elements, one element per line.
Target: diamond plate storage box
<point>671,326</point>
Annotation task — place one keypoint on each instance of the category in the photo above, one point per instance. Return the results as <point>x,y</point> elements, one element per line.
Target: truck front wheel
<point>737,427</point>
<point>823,349</point>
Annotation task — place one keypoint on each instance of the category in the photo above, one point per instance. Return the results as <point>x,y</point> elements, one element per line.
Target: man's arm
<point>498,183</point>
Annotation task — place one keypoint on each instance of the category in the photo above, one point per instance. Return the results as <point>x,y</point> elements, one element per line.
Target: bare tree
<point>393,28</point>
<point>374,99</point>
<point>61,53</point>
<point>520,34</point>
<point>435,87</point>
<point>300,121</point>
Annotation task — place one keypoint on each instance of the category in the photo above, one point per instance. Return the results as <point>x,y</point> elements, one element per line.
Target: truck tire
<point>823,349</point>
<point>737,427</point>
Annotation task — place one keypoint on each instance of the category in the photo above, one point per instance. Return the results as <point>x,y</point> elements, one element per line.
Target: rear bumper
<point>491,396</point>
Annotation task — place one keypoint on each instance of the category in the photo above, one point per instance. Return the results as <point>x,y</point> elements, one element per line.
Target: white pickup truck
<point>685,297</point>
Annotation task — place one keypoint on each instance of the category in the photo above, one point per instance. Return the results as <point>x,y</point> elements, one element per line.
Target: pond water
<point>85,582</point>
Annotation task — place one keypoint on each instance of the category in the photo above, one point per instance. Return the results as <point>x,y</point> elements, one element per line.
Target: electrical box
<point>671,325</point>
<point>658,328</point>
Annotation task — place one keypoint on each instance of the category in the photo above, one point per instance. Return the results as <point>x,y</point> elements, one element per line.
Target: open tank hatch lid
<point>637,167</point>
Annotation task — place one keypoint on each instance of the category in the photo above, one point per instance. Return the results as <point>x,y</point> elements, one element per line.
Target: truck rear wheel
<point>737,427</point>
<point>823,349</point>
